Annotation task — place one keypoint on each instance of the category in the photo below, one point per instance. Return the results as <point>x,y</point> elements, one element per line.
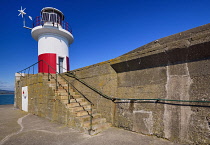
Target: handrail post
<point>33,69</point>
<point>42,67</point>
<point>91,119</point>
<point>28,71</point>
<point>56,81</point>
<point>48,73</point>
<point>68,94</point>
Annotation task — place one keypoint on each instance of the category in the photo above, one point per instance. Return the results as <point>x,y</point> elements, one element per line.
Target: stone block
<point>143,122</point>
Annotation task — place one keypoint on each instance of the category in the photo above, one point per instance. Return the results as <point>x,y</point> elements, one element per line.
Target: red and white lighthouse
<point>54,36</point>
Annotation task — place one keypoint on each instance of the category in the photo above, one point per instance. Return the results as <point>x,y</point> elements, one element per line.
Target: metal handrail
<point>71,74</point>
<point>69,96</point>
<point>94,89</point>
<point>68,90</point>
<point>20,72</point>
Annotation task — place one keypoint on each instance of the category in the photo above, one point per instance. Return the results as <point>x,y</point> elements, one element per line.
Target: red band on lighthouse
<point>47,63</point>
<point>67,63</point>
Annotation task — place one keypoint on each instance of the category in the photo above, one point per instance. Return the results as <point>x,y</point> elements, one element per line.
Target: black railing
<point>27,71</point>
<point>71,74</point>
<point>38,21</point>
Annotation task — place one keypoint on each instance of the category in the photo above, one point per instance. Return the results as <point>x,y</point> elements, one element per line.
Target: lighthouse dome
<point>50,10</point>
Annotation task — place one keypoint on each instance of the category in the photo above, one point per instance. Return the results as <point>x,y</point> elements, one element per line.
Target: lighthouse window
<point>45,16</point>
<point>50,17</point>
<point>53,17</point>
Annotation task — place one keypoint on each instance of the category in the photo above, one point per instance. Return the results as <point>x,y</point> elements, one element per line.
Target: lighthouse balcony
<point>41,21</point>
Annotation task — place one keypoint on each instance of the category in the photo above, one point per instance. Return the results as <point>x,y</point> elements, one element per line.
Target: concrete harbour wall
<point>176,67</point>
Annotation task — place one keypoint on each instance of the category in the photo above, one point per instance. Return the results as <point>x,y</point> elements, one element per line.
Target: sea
<point>6,99</point>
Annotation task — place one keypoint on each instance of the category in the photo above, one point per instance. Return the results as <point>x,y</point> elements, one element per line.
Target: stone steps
<point>64,101</point>
<point>63,92</point>
<point>79,108</point>
<point>94,122</point>
<point>98,128</point>
<point>81,113</point>
<point>53,85</point>
<point>75,104</point>
<point>62,97</point>
<point>77,99</point>
<point>87,117</point>
<point>64,89</point>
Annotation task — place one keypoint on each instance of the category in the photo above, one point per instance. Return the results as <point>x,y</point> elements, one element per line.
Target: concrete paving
<point>20,128</point>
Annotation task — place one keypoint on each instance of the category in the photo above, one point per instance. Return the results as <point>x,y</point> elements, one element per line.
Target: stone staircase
<point>79,108</point>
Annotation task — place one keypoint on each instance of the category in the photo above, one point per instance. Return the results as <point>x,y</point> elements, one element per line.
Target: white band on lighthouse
<point>50,43</point>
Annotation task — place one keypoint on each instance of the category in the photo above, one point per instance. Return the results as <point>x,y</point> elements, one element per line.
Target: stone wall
<point>104,78</point>
<point>41,98</point>
<point>176,67</point>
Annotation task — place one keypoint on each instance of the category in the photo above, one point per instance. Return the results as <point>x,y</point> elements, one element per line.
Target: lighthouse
<point>54,37</point>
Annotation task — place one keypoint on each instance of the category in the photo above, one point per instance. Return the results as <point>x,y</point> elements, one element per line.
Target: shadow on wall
<point>169,57</point>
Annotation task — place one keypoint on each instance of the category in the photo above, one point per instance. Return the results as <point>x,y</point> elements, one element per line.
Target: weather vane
<point>22,13</point>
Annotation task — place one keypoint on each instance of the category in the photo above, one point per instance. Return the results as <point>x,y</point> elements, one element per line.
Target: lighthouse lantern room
<point>54,36</point>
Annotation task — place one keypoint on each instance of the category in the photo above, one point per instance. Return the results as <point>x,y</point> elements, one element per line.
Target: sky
<point>102,29</point>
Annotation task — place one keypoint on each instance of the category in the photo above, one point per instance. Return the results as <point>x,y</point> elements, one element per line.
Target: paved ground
<point>20,128</point>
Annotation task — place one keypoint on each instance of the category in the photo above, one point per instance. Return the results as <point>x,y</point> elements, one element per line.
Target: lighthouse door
<point>60,65</point>
<point>25,98</point>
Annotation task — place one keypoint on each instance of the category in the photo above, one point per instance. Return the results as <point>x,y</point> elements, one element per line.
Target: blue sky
<point>103,29</point>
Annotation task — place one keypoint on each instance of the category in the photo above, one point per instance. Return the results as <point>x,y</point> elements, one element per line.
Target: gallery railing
<point>38,21</point>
